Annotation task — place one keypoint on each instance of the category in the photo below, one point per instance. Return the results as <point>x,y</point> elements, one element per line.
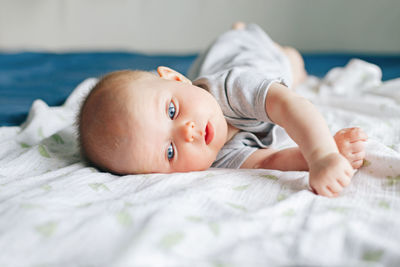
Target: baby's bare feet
<point>350,142</point>
<point>238,25</point>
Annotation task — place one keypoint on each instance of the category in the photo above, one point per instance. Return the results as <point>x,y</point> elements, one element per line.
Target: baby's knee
<point>239,25</point>
<point>294,55</point>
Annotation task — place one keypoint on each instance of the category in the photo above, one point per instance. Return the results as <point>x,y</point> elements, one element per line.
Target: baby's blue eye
<point>171,110</point>
<point>170,152</point>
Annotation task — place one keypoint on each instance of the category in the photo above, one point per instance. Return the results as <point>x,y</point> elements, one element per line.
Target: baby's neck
<point>231,132</point>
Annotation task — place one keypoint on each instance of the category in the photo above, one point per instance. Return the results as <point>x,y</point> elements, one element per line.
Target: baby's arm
<point>350,142</point>
<point>329,170</point>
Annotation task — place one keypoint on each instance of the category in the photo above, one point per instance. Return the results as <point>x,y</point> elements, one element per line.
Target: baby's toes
<point>356,160</point>
<point>340,136</point>
<point>357,164</point>
<point>350,135</point>
<point>356,147</point>
<point>355,134</point>
<point>350,141</point>
<point>238,25</point>
<point>353,152</point>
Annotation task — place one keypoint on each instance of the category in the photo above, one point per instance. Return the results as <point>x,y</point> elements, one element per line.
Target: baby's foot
<point>350,142</point>
<point>238,25</point>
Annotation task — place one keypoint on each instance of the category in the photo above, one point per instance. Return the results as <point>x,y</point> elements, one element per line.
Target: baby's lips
<point>209,133</point>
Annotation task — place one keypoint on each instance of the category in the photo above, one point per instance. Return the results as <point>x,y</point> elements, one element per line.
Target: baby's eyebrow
<point>160,102</point>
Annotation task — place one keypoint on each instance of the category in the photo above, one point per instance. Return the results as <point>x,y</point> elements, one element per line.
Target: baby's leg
<point>238,25</point>
<point>350,142</point>
<point>299,73</point>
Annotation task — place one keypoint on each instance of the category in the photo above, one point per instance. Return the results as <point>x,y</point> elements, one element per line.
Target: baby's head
<point>139,122</point>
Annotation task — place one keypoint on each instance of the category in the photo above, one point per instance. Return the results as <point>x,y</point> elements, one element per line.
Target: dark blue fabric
<point>51,77</point>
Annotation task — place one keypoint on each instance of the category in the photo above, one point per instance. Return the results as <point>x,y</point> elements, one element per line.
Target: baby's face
<point>175,127</point>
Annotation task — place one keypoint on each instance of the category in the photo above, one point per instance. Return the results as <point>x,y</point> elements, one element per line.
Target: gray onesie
<point>237,69</point>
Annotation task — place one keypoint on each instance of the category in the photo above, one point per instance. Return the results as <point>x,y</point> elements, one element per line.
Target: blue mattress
<point>51,77</point>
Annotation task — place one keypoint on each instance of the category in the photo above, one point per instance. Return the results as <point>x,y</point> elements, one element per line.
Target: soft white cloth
<point>55,211</point>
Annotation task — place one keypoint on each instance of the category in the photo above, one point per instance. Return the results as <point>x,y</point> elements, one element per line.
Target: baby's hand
<point>330,174</point>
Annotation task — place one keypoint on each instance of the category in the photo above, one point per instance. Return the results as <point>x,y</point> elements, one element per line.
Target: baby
<point>140,122</point>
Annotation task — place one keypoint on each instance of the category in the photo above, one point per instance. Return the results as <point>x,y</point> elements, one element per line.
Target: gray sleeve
<point>241,93</point>
<point>233,158</point>
<point>235,152</point>
<point>238,70</point>
<point>246,92</point>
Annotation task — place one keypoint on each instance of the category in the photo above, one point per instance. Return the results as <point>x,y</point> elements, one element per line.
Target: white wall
<point>184,26</point>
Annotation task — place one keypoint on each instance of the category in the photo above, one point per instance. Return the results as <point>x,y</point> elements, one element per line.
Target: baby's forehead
<point>146,95</point>
<point>147,146</point>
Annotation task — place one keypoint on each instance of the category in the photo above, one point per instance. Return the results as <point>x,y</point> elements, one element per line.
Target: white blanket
<point>55,211</point>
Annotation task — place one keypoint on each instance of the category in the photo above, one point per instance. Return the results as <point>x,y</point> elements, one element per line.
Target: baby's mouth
<point>209,133</point>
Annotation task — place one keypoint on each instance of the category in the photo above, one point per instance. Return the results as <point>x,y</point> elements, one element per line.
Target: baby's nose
<point>188,131</point>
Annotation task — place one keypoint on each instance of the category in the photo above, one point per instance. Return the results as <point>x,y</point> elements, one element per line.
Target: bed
<point>57,211</point>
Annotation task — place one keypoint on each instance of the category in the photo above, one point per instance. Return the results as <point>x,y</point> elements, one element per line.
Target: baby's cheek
<point>198,162</point>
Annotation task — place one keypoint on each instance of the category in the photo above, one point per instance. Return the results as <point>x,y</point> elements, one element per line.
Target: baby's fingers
<point>348,171</point>
<point>326,192</point>
<point>334,187</point>
<point>344,180</point>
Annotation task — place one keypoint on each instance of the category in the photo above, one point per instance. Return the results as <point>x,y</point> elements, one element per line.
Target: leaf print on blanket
<point>24,145</point>
<point>339,209</point>
<point>97,186</point>
<point>84,205</point>
<point>269,176</point>
<point>289,213</point>
<point>29,206</point>
<point>281,197</point>
<point>241,187</point>
<point>393,180</point>
<point>384,204</point>
<point>47,229</point>
<point>214,228</point>
<point>57,138</point>
<point>366,163</point>
<point>375,255</point>
<point>40,133</point>
<point>194,218</point>
<point>124,218</point>
<point>236,206</point>
<point>46,187</point>
<point>43,152</point>
<point>171,239</point>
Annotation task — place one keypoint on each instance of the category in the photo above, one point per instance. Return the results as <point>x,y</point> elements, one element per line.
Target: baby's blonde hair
<point>95,140</point>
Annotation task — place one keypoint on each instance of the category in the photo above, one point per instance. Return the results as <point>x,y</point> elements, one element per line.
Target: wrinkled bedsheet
<point>56,211</point>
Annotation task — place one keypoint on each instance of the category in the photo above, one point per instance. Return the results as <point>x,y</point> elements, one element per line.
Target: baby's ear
<point>170,74</point>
